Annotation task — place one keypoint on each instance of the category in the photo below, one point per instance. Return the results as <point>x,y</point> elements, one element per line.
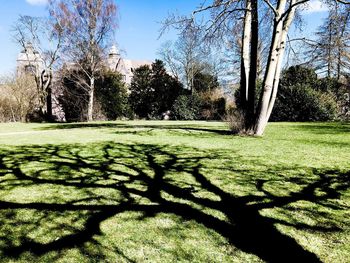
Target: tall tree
<point>330,52</point>
<point>88,25</point>
<point>41,46</point>
<point>224,15</point>
<point>153,91</point>
<point>183,56</point>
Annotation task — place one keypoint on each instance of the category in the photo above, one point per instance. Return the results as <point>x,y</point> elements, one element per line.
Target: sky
<point>139,25</point>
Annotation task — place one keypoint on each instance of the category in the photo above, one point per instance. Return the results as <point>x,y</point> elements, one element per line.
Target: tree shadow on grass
<point>140,127</point>
<point>325,127</point>
<point>168,178</point>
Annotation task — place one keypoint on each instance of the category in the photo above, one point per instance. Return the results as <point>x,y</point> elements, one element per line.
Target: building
<point>29,61</point>
<point>124,66</point>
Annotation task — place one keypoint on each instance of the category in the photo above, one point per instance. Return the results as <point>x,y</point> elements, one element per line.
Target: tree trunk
<point>49,104</point>
<point>329,50</point>
<point>46,81</point>
<point>91,99</point>
<point>249,64</point>
<point>245,61</point>
<point>269,79</point>
<point>286,24</point>
<point>274,65</point>
<point>41,94</point>
<point>250,115</point>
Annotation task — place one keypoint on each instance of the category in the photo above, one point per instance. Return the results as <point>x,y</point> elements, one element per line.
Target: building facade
<point>29,61</point>
<point>124,66</point>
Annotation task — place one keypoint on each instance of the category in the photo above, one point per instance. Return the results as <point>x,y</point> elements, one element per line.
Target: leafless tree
<point>87,25</point>
<point>41,45</point>
<point>330,52</point>
<point>224,16</point>
<point>184,56</point>
<point>189,56</point>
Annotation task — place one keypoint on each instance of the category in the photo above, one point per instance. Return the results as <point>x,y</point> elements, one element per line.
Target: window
<point>30,69</point>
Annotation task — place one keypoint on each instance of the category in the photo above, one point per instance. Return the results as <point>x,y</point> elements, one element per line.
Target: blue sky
<point>139,23</point>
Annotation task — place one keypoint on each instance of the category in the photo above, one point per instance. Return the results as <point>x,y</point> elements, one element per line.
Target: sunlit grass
<point>174,191</point>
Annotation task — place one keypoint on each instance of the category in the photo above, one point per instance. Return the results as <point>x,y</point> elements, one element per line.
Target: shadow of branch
<point>149,172</point>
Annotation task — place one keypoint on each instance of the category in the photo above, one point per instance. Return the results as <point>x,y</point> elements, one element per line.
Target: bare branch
<point>271,7</point>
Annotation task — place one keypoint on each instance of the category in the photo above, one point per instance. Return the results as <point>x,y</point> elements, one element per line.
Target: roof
<point>29,54</point>
<point>133,64</point>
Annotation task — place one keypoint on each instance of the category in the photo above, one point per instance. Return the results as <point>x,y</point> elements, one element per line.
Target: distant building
<point>29,61</point>
<point>124,66</point>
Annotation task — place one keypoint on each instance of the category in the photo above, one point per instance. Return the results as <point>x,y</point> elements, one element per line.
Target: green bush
<point>110,101</point>
<point>341,90</point>
<point>303,103</point>
<point>111,94</point>
<point>212,105</point>
<point>186,107</point>
<point>153,91</point>
<point>303,97</point>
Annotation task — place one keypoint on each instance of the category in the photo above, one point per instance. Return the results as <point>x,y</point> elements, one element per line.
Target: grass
<point>174,192</point>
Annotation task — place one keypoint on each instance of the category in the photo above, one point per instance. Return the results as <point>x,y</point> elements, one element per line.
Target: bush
<point>110,101</point>
<point>186,107</point>
<point>341,90</point>
<point>153,91</point>
<point>213,105</point>
<point>111,95</point>
<point>18,99</point>
<point>209,105</point>
<point>303,103</point>
<point>235,121</point>
<point>303,97</point>
<point>73,97</point>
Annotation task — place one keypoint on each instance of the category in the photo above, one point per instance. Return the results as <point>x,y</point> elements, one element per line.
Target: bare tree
<point>41,45</point>
<point>87,26</point>
<point>330,52</point>
<point>224,15</point>
<point>189,56</point>
<point>184,56</point>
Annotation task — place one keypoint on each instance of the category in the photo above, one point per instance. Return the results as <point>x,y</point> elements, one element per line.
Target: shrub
<point>18,98</point>
<point>141,92</point>
<point>341,90</point>
<point>153,91</point>
<point>186,107</point>
<point>303,97</point>
<point>303,103</point>
<point>73,97</point>
<point>235,121</point>
<point>110,101</point>
<point>213,105</point>
<point>111,96</point>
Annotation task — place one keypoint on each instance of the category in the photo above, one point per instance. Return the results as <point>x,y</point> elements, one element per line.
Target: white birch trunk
<point>282,49</point>
<point>271,70</point>
<point>247,33</point>
<point>91,99</point>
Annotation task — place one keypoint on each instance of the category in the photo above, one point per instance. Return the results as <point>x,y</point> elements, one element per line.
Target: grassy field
<point>174,192</point>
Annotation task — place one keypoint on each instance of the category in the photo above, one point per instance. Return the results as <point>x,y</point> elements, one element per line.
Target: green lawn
<point>174,192</point>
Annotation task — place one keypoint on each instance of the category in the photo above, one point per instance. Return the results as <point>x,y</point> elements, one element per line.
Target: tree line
<point>152,94</point>
<point>243,42</point>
